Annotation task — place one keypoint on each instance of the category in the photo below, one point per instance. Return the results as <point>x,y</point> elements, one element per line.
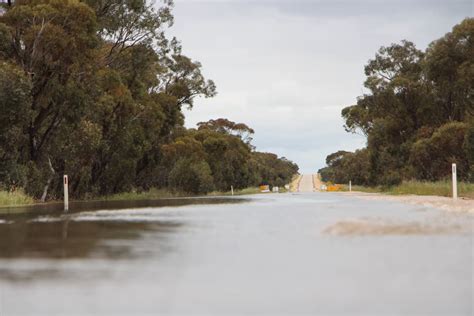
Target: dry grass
<point>153,194</point>
<point>14,198</point>
<point>440,188</point>
<point>295,182</point>
<point>236,192</point>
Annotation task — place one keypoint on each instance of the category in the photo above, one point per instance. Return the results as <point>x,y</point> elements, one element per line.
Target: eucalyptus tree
<point>418,103</point>
<point>95,89</point>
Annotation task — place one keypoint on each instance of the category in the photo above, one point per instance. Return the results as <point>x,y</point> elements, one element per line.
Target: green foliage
<point>345,166</point>
<point>469,148</point>
<point>431,158</point>
<point>225,126</point>
<point>15,100</point>
<point>450,67</point>
<point>416,116</point>
<point>267,168</point>
<point>230,159</point>
<point>191,176</point>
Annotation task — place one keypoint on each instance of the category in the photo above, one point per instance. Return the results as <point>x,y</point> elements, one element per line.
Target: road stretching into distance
<point>309,183</point>
<point>306,183</point>
<point>309,253</point>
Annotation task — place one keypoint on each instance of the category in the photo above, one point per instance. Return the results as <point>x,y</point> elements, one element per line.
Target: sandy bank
<point>358,227</point>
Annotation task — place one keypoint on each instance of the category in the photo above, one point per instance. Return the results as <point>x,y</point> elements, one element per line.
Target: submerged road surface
<point>275,254</point>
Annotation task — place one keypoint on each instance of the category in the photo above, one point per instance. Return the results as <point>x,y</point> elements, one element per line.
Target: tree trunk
<point>46,187</point>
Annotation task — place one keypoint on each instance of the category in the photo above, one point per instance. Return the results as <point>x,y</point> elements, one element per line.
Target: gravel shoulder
<point>317,182</point>
<point>440,202</point>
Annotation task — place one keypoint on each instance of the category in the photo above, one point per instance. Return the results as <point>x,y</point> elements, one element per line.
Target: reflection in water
<point>80,206</point>
<point>45,232</point>
<point>72,239</point>
<point>35,242</point>
<point>65,228</point>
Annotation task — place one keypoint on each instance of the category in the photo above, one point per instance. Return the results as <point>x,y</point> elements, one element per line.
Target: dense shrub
<point>191,176</point>
<point>432,157</point>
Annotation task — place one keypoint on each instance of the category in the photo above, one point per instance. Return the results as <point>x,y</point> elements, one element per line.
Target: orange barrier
<point>334,187</point>
<point>264,188</point>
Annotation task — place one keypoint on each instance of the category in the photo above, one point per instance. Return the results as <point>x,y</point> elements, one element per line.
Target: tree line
<point>418,114</point>
<point>95,89</point>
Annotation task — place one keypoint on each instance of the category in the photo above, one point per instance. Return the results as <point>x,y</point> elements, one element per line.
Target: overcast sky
<point>288,67</point>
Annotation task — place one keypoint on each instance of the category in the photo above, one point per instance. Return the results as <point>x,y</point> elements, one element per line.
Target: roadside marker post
<point>350,186</point>
<point>232,189</point>
<point>66,193</point>
<point>455,183</point>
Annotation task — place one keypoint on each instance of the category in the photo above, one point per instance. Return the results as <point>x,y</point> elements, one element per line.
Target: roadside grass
<point>440,188</point>
<point>19,198</point>
<point>161,194</point>
<point>152,194</point>
<point>16,198</point>
<point>295,182</point>
<point>245,191</point>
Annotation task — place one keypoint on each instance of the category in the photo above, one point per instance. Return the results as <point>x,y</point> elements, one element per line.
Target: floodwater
<point>275,254</point>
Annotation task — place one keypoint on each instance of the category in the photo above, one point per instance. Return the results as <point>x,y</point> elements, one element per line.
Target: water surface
<point>265,254</point>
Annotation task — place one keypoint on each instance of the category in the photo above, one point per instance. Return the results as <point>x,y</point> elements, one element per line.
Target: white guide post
<point>455,183</point>
<point>350,186</point>
<point>232,189</point>
<point>66,193</point>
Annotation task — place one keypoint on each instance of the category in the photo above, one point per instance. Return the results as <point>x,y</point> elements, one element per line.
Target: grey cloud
<point>287,68</point>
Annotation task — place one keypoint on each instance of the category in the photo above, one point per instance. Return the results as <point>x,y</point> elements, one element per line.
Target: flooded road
<point>275,254</point>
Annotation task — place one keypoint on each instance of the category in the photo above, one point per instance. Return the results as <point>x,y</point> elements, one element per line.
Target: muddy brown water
<point>46,231</point>
<point>265,254</point>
